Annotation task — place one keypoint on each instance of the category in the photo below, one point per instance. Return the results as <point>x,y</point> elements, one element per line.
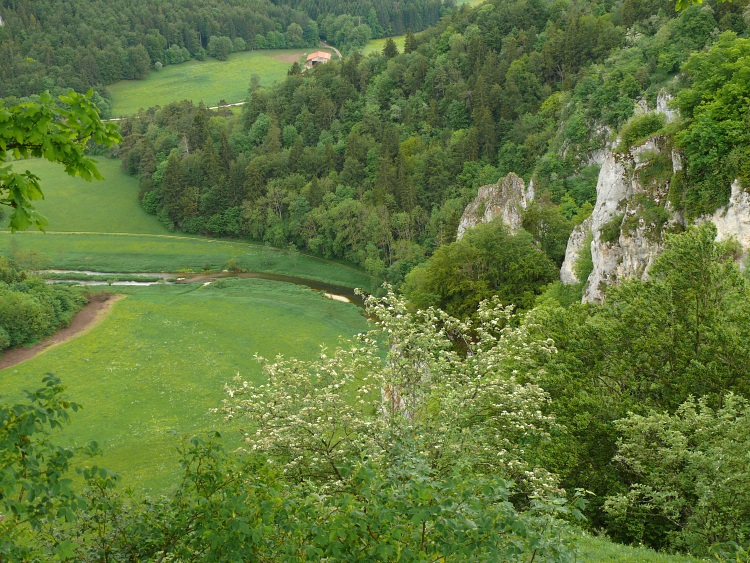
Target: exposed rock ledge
<point>733,220</point>
<point>621,199</point>
<point>507,199</point>
<point>631,252</point>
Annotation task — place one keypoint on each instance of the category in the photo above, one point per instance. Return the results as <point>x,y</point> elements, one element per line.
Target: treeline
<point>51,45</point>
<point>382,17</point>
<point>373,159</point>
<point>30,309</point>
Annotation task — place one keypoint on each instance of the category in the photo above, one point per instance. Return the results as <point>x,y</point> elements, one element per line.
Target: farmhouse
<point>319,57</point>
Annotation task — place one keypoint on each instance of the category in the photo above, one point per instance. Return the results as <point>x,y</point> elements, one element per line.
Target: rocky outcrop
<point>575,249</point>
<point>632,214</point>
<point>628,220</point>
<point>662,106</point>
<point>733,220</point>
<point>506,199</point>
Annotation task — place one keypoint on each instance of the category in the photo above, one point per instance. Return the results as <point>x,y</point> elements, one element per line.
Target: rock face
<point>576,243</point>
<point>662,101</point>
<point>633,212</point>
<point>506,199</point>
<point>628,221</point>
<point>733,220</point>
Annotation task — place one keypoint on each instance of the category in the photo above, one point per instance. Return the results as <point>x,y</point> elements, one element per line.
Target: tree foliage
<point>488,261</point>
<point>650,346</point>
<point>715,138</point>
<point>689,477</point>
<point>58,130</point>
<point>30,309</point>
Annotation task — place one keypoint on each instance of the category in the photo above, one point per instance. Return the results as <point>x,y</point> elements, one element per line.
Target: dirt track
<point>86,319</point>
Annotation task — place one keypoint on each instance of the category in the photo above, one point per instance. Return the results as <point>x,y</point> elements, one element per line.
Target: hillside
<point>493,412</point>
<point>47,46</point>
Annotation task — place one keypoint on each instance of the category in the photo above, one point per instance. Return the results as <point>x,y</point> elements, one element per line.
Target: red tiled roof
<point>319,55</point>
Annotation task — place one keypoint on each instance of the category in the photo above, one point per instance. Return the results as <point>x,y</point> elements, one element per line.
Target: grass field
<point>102,227</point>
<point>209,81</point>
<point>152,370</point>
<point>376,45</point>
<point>72,204</point>
<point>102,252</point>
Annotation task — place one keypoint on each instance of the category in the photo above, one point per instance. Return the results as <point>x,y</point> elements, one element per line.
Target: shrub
<point>691,476</point>
<point>639,128</point>
<point>610,231</point>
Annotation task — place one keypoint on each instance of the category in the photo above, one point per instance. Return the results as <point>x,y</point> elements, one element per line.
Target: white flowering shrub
<point>447,387</point>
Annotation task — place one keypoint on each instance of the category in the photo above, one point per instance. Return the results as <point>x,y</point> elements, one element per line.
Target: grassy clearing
<point>109,206</point>
<point>209,81</point>
<point>152,371</point>
<point>376,45</point>
<point>101,226</point>
<point>600,550</point>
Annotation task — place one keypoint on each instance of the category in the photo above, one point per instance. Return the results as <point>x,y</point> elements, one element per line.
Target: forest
<point>397,144</point>
<point>51,45</point>
<point>489,414</point>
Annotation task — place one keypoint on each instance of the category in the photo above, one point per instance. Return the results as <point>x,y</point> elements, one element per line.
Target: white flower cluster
<point>462,393</point>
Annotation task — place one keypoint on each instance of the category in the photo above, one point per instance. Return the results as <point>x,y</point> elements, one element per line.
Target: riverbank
<point>86,319</point>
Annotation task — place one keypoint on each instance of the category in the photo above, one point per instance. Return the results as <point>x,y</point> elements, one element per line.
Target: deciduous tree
<point>55,129</point>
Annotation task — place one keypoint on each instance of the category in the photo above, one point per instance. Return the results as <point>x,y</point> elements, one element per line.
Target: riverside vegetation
<point>470,434</point>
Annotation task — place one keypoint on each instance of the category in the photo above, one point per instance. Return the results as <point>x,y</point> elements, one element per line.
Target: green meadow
<point>156,366</point>
<point>108,206</point>
<point>101,226</point>
<point>376,45</point>
<point>209,81</point>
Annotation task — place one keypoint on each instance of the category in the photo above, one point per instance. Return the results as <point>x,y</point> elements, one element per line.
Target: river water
<point>330,290</point>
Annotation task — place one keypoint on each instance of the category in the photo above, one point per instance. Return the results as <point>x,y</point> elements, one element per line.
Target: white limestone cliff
<point>576,243</point>
<point>733,220</point>
<point>631,216</point>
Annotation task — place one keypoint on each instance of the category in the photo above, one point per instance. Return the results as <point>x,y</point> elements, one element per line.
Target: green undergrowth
<point>209,81</point>
<point>152,371</point>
